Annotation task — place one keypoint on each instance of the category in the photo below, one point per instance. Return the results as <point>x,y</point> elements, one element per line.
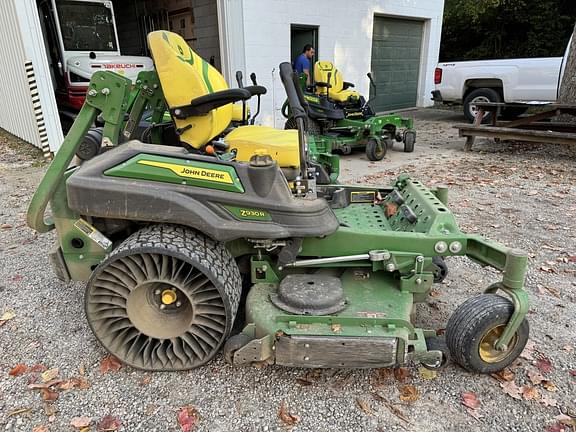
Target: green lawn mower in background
<point>180,247</point>
<point>340,119</point>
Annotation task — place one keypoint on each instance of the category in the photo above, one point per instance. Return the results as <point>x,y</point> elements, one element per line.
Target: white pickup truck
<point>529,81</point>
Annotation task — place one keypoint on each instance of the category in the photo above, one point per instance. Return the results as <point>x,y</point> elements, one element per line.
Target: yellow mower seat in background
<point>237,113</point>
<point>281,145</point>
<point>185,76</point>
<point>336,92</point>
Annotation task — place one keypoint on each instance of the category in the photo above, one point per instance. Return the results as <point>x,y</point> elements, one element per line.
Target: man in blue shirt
<point>302,62</point>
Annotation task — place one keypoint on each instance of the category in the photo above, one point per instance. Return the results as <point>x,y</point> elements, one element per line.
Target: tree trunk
<point>567,93</point>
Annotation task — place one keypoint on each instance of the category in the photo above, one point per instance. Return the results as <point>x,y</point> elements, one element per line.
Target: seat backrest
<point>185,76</point>
<point>321,70</point>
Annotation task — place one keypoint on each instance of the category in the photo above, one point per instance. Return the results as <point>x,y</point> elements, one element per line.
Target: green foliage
<point>485,29</point>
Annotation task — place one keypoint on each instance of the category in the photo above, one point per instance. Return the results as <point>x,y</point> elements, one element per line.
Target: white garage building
<point>398,40</point>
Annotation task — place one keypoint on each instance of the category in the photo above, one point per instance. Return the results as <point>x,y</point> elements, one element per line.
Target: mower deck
<point>371,331</point>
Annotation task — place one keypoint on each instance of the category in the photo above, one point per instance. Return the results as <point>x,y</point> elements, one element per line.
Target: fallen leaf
<point>566,420</point>
<point>40,428</point>
<point>17,370</point>
<point>48,395</point>
<point>530,393</point>
<point>401,374</point>
<point>79,383</point>
<point>146,380</point>
<point>287,418</point>
<point>364,406</point>
<point>394,410</point>
<point>81,422</point>
<point>38,368</point>
<point>572,372</point>
<point>408,393</point>
<point>544,365</point>
<point>474,413</point>
<point>427,374</point>
<point>504,375</point>
<point>535,377</point>
<point>549,386</point>
<point>567,348</point>
<point>110,363</point>
<point>109,424</point>
<point>46,385</point>
<point>557,427</point>
<point>548,401</point>
<point>7,316</point>
<point>511,389</point>
<point>304,382</point>
<point>547,269</point>
<point>49,375</point>
<point>187,418</point>
<point>470,400</point>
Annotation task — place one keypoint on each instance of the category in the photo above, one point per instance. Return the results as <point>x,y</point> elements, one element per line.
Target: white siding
<point>21,42</point>
<point>345,37</point>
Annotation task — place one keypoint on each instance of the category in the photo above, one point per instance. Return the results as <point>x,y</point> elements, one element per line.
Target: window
<point>87,26</point>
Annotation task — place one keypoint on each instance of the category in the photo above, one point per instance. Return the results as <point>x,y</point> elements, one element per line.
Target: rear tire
<point>165,299</point>
<point>475,326</point>
<point>480,95</point>
<point>375,149</point>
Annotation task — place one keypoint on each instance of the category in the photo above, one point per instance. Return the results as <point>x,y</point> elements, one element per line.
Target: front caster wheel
<point>441,270</point>
<point>437,343</point>
<point>409,141</point>
<point>474,328</point>
<point>375,149</point>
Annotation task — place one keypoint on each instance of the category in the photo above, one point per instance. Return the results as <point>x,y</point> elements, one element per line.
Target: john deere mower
<point>167,238</point>
<point>340,119</point>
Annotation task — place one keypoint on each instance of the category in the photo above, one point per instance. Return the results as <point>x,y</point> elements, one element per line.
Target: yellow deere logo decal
<point>192,171</point>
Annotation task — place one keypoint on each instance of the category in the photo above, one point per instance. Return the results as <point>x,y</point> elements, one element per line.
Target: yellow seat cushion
<point>237,111</point>
<point>337,93</point>
<point>281,145</point>
<point>185,76</point>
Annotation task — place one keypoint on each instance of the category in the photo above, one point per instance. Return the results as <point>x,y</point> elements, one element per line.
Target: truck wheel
<point>480,95</point>
<point>165,299</point>
<point>375,149</point>
<point>475,327</point>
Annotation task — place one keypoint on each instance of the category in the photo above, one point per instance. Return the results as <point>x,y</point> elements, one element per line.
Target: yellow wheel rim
<point>487,348</point>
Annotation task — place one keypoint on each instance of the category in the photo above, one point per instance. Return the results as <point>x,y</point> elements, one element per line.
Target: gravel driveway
<point>521,194</point>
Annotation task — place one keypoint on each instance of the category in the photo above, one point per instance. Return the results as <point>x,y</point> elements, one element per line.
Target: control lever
<point>239,80</point>
<point>253,79</point>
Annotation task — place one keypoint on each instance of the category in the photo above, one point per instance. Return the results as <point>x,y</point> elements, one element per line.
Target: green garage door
<point>396,47</point>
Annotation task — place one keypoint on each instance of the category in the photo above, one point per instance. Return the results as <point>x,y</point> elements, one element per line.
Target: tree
<point>567,92</point>
<point>492,29</point>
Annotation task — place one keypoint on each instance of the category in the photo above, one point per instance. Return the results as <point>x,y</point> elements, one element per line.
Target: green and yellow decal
<point>179,171</point>
<point>253,214</point>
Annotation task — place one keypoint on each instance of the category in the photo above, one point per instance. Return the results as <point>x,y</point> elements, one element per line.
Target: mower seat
<point>194,91</point>
<point>339,89</point>
<point>281,145</point>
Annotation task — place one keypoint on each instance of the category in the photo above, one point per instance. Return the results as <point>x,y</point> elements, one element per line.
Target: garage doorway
<point>301,35</point>
<point>396,59</point>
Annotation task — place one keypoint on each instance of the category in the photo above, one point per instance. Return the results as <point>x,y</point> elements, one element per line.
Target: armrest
<point>256,90</point>
<point>347,85</point>
<point>204,104</point>
<point>323,84</point>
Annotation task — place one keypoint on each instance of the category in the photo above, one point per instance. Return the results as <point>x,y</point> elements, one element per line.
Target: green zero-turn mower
<point>339,119</point>
<point>173,244</point>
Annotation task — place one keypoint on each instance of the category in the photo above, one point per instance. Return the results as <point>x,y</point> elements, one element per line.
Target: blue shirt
<point>301,63</point>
